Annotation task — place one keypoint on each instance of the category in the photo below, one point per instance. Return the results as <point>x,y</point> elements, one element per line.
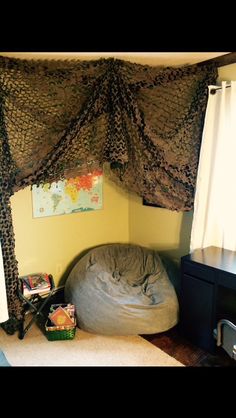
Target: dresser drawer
<point>196,312</point>
<point>227,280</point>
<point>208,293</point>
<point>198,271</point>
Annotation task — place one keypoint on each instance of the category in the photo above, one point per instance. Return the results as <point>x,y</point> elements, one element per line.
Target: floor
<point>178,347</point>
<point>85,349</point>
<point>187,353</point>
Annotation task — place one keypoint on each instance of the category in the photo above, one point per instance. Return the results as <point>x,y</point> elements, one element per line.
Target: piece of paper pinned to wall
<point>79,194</point>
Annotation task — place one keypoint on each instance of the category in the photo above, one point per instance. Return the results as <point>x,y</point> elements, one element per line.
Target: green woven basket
<point>54,333</point>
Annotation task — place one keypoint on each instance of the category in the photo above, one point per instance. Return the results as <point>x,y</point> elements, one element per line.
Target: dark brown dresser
<point>208,293</point>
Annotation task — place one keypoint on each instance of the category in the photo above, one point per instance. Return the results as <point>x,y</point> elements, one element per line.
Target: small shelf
<point>34,304</point>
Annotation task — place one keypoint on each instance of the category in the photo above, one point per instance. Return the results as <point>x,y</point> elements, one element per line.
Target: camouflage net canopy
<point>65,118</point>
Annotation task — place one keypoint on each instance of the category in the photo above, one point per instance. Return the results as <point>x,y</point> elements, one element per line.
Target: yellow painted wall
<point>227,73</point>
<point>162,229</point>
<point>51,243</point>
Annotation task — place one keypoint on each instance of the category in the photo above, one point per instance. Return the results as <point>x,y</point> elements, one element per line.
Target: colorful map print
<point>79,194</point>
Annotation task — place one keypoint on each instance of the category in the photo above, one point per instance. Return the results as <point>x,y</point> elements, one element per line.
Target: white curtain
<point>214,217</point>
<point>3,296</point>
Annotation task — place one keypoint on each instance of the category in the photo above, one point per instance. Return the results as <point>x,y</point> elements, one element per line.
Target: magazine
<point>28,292</point>
<point>68,307</point>
<point>61,317</point>
<point>37,281</point>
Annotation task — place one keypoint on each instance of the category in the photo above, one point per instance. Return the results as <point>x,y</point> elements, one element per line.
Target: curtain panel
<point>215,198</point>
<point>65,118</point>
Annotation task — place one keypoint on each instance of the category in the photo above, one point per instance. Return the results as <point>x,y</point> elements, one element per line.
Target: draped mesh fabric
<point>65,118</point>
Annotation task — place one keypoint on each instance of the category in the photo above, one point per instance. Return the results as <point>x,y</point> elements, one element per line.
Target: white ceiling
<point>149,58</point>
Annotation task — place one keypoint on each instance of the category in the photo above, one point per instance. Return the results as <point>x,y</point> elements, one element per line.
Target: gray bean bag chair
<point>122,289</point>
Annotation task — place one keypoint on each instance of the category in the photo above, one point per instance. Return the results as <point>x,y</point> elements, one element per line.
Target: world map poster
<point>79,194</point>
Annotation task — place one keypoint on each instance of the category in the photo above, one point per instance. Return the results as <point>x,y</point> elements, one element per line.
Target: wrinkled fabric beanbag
<point>122,289</point>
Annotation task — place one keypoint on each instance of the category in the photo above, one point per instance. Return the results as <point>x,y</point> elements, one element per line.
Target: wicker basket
<point>59,332</point>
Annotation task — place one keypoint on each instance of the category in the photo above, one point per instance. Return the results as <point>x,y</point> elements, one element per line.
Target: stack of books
<point>38,283</point>
<point>62,315</point>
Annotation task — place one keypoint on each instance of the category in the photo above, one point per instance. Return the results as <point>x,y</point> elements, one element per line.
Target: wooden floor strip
<point>187,353</point>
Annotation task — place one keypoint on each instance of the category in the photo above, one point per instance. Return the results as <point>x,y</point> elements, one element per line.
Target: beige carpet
<point>84,350</point>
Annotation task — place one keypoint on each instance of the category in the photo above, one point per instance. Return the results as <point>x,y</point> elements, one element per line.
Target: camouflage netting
<point>65,118</point>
